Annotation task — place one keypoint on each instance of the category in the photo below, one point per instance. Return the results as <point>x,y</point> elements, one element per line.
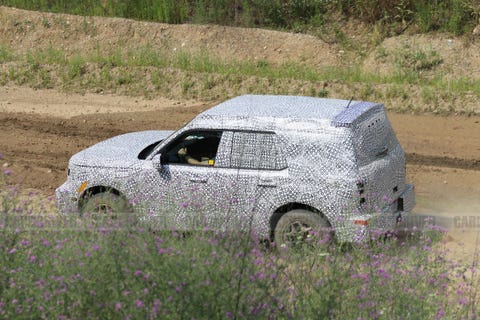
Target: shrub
<point>452,15</point>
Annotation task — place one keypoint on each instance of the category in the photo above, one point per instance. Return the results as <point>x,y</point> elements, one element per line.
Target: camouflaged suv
<point>283,166</point>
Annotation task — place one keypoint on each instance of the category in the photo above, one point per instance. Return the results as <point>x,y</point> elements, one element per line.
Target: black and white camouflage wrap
<point>339,158</point>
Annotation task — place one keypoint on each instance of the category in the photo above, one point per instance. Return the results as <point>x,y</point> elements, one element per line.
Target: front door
<point>193,188</point>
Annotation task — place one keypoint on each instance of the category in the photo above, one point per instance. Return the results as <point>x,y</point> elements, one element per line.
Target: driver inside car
<point>200,152</point>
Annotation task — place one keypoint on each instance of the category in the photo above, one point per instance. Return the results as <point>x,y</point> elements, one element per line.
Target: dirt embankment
<point>55,40</point>
<point>28,30</point>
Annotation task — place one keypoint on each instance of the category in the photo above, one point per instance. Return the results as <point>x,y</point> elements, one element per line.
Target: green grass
<point>71,267</point>
<point>151,72</point>
<point>455,16</point>
<point>6,54</point>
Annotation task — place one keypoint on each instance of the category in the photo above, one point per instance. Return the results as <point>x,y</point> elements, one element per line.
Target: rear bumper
<point>395,212</point>
<point>365,226</point>
<point>407,198</point>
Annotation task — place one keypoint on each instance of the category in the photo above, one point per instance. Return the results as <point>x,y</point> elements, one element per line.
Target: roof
<point>291,107</point>
<point>264,111</point>
<point>279,107</point>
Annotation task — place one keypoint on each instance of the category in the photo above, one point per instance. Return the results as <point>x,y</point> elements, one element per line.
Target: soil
<point>41,129</point>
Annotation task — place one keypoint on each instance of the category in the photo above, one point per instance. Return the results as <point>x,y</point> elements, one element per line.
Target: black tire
<point>298,228</point>
<point>105,204</point>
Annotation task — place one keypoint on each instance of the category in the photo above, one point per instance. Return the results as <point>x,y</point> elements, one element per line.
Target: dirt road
<point>41,129</point>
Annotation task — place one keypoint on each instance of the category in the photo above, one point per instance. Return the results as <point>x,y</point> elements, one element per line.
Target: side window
<point>193,148</point>
<point>256,150</point>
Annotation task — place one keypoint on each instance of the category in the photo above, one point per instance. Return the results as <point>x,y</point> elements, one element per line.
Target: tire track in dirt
<point>39,147</point>
<point>438,161</point>
<point>86,130</point>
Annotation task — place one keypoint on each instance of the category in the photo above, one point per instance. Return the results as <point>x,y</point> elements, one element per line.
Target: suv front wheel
<point>105,204</point>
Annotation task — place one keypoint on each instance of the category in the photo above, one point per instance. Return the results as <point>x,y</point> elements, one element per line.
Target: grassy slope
<point>417,80</point>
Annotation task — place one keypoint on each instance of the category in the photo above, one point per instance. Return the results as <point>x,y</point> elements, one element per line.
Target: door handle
<point>199,179</point>
<point>267,182</point>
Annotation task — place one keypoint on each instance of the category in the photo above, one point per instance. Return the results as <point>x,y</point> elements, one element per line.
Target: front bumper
<point>67,198</point>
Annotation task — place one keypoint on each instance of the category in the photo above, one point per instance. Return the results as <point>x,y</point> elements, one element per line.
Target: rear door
<point>261,172</point>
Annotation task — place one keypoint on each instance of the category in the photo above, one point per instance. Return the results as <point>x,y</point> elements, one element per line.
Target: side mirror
<point>157,161</point>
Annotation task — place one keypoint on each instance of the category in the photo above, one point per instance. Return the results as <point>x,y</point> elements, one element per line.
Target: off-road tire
<point>105,204</point>
<point>301,227</point>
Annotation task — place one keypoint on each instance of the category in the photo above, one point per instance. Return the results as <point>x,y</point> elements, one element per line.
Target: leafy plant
<point>67,266</point>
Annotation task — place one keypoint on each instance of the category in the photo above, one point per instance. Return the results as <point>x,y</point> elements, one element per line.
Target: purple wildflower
<point>40,283</point>
<point>383,273</point>
<point>463,301</point>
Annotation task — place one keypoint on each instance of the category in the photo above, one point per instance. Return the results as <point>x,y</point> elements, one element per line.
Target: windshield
<point>159,144</point>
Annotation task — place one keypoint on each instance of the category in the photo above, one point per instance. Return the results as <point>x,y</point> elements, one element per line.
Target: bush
<point>451,15</point>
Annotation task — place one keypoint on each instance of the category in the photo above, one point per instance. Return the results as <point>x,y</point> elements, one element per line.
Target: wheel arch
<point>280,211</point>
<point>91,191</point>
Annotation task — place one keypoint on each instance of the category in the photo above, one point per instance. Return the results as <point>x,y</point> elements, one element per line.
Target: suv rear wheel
<point>301,227</point>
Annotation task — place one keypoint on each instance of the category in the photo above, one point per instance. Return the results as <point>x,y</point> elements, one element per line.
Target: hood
<point>119,151</point>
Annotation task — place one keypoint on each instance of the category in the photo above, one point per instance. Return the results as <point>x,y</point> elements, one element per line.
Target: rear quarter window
<point>257,150</point>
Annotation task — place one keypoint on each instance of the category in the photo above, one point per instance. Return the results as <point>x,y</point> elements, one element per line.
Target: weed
<point>6,54</point>
<point>186,85</point>
<point>88,27</point>
<point>45,80</point>
<point>381,53</point>
<point>417,59</point>
<point>46,23</point>
<point>150,71</point>
<point>454,16</point>
<point>322,93</point>
<point>75,67</point>
<point>208,82</point>
<point>124,79</point>
<point>115,268</point>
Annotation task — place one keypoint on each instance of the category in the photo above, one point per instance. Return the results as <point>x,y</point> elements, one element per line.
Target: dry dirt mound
<point>26,30</point>
<point>101,42</point>
<point>438,54</point>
